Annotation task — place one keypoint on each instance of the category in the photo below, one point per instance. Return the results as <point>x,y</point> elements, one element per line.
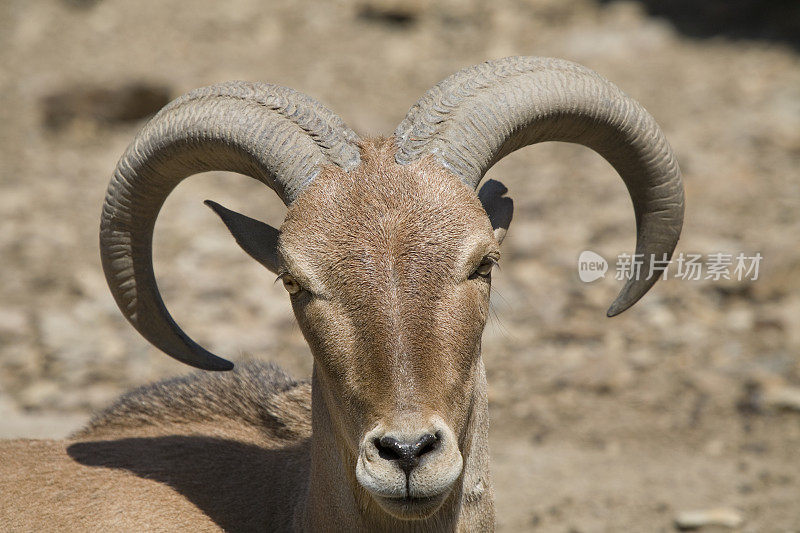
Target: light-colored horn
<point>479,115</point>
<point>273,134</point>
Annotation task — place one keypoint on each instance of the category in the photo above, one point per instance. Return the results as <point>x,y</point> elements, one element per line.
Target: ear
<point>259,240</point>
<point>499,208</point>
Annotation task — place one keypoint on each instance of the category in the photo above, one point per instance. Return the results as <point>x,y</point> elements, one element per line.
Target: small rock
<point>40,394</point>
<point>768,393</point>
<point>784,397</point>
<point>81,4</point>
<point>689,520</point>
<point>13,321</point>
<point>393,13</point>
<point>106,105</point>
<point>715,447</point>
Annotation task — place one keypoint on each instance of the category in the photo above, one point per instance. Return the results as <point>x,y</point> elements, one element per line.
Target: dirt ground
<point>683,403</point>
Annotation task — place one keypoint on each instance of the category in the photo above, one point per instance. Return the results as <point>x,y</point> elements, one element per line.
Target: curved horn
<point>273,134</point>
<point>479,115</point>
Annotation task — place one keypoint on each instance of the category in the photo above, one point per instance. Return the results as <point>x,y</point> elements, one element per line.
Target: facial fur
<point>390,300</point>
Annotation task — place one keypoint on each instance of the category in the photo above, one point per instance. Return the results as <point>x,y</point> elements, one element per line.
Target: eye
<point>484,270</point>
<point>290,284</point>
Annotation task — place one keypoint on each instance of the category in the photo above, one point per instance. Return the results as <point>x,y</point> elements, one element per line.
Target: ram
<point>386,253</point>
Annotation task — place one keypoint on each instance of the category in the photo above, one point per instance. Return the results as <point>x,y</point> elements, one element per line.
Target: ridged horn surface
<point>479,115</point>
<point>273,134</point>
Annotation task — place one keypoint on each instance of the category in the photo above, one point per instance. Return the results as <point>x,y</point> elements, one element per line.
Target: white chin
<point>411,508</point>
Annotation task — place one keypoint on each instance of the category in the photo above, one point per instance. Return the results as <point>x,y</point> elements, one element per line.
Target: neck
<point>337,502</point>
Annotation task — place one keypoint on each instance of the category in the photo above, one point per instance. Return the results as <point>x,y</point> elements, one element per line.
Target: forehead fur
<point>383,211</point>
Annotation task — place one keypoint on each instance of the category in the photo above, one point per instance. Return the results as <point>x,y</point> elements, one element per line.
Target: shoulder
<point>255,399</point>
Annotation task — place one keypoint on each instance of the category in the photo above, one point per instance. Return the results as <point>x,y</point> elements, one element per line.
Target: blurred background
<point>689,401</point>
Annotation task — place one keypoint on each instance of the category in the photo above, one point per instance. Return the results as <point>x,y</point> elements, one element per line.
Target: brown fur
<point>393,319</point>
<point>395,324</point>
<point>201,453</point>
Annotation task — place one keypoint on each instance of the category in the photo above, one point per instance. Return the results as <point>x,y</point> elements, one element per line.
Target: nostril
<point>428,443</point>
<point>407,455</point>
<point>388,448</point>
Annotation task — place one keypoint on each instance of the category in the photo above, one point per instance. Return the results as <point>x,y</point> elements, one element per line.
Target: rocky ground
<point>687,402</point>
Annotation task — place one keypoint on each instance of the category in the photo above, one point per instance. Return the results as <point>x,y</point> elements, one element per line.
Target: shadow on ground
<point>768,20</point>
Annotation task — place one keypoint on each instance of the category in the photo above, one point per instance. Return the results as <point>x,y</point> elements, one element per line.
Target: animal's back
<point>201,452</point>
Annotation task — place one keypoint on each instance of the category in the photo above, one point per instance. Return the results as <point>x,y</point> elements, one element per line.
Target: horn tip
<point>194,355</point>
<point>618,307</point>
<point>223,365</point>
<point>210,362</point>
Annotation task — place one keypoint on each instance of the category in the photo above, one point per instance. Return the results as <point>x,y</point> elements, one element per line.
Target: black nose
<point>407,454</point>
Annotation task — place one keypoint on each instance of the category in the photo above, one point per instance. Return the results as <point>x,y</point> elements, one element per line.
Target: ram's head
<point>386,250</point>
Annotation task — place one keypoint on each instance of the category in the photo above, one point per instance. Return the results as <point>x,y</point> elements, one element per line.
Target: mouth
<point>412,507</point>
